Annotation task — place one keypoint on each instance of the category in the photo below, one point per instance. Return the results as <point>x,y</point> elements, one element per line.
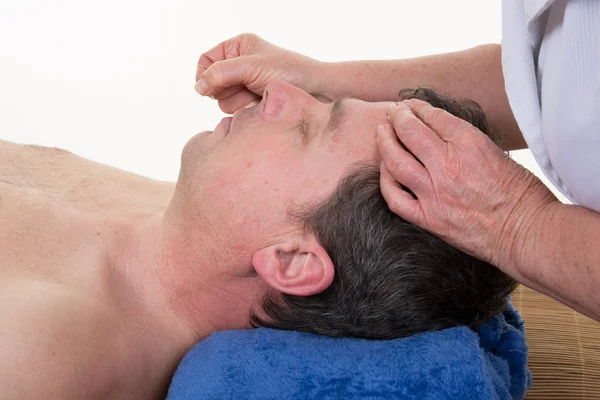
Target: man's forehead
<point>339,113</point>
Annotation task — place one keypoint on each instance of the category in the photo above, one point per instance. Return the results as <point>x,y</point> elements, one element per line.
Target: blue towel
<point>455,363</point>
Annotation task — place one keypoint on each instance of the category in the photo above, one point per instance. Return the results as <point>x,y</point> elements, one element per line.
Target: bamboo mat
<point>564,348</point>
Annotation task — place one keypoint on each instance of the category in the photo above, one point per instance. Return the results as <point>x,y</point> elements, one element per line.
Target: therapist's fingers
<point>447,126</point>
<point>238,100</point>
<point>222,76</point>
<point>474,194</point>
<point>398,200</point>
<point>402,165</point>
<point>207,59</point>
<point>413,133</point>
<point>228,92</point>
<point>234,47</point>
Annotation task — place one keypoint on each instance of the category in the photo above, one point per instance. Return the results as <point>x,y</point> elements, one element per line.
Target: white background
<point>113,81</point>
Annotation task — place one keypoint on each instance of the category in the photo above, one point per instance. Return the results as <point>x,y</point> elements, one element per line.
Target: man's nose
<point>279,95</point>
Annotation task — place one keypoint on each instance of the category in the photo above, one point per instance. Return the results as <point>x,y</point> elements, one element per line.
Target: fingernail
<point>391,108</point>
<point>380,131</point>
<point>201,87</point>
<point>408,102</point>
<point>251,104</point>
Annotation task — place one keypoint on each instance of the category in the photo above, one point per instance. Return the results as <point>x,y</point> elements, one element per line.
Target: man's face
<point>288,150</point>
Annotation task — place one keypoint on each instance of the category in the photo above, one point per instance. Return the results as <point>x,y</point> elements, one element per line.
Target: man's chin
<point>197,146</point>
<point>198,140</point>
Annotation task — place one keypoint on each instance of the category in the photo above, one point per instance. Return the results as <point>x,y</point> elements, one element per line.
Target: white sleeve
<point>551,64</point>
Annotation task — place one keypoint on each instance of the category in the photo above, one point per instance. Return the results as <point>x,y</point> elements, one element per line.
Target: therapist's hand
<point>468,192</point>
<point>236,71</point>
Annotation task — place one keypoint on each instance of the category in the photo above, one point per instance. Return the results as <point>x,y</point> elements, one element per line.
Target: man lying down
<point>107,278</point>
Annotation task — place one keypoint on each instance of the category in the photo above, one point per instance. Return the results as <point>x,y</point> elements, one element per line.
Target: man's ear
<point>299,266</point>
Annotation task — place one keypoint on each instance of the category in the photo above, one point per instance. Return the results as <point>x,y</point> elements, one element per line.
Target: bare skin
<point>236,71</point>
<point>528,234</point>
<point>84,312</point>
<point>62,217</point>
<point>474,196</point>
<point>108,278</point>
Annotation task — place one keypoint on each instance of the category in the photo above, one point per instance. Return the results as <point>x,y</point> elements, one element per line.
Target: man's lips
<point>224,125</point>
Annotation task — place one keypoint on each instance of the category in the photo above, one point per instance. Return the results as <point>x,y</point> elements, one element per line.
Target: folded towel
<point>454,363</point>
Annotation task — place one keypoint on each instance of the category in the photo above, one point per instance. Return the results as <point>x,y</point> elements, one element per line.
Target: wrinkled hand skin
<point>236,71</point>
<point>468,192</point>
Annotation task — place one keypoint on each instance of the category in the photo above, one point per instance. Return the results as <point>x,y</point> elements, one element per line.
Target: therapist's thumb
<point>226,74</point>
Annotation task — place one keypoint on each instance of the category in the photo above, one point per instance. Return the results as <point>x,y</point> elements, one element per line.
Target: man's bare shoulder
<point>40,166</point>
<point>56,344</point>
<point>19,161</point>
<point>69,178</point>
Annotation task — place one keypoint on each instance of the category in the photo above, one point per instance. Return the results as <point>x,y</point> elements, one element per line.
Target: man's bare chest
<point>58,212</point>
<point>56,208</point>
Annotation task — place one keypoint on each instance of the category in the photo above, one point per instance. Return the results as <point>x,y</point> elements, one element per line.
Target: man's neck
<point>179,283</point>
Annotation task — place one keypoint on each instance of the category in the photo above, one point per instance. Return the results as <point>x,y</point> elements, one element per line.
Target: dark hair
<point>392,279</point>
<point>465,109</point>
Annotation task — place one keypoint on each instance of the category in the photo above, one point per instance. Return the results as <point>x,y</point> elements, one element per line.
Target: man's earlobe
<point>298,266</point>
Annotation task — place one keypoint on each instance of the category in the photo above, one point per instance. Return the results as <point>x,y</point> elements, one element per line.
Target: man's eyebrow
<point>335,116</point>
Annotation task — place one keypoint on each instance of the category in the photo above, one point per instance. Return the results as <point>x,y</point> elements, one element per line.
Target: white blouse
<point>551,64</point>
